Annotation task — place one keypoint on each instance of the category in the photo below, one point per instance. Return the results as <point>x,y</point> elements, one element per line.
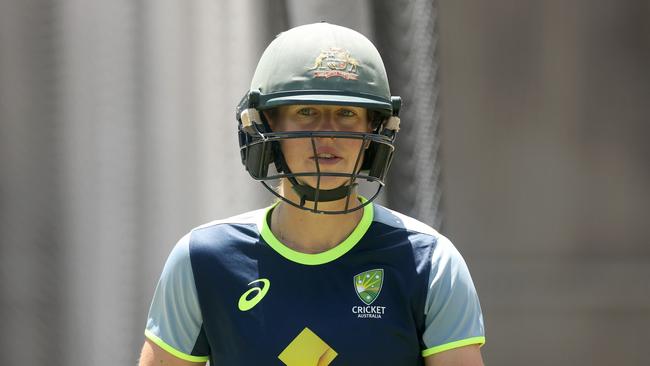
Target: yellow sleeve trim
<point>183,356</point>
<point>447,346</point>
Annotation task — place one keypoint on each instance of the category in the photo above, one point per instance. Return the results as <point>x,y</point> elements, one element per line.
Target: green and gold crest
<point>368,285</point>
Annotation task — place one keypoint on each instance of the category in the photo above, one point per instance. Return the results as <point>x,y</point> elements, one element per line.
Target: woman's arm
<point>462,356</point>
<point>152,355</point>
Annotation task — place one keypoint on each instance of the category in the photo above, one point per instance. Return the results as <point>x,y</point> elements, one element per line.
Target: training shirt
<point>394,291</point>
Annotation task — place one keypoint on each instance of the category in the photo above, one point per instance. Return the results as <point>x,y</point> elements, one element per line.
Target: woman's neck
<point>309,232</point>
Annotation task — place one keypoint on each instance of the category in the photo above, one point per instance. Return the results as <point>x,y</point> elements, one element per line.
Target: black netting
<point>406,35</point>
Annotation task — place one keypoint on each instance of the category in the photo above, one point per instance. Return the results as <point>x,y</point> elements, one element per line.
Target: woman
<point>323,276</point>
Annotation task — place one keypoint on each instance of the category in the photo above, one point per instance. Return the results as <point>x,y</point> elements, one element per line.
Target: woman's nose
<point>328,121</point>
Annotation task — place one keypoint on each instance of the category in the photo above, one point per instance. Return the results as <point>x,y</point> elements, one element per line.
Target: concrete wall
<point>545,110</point>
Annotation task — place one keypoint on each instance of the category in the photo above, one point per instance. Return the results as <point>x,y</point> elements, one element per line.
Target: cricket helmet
<point>325,64</point>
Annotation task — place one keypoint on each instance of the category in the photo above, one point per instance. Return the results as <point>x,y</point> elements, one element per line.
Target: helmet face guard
<point>260,148</point>
<point>328,65</point>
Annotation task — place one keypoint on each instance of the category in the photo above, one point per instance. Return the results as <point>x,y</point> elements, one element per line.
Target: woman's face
<point>332,154</point>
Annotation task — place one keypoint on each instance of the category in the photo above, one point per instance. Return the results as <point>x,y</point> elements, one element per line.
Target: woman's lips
<point>326,159</point>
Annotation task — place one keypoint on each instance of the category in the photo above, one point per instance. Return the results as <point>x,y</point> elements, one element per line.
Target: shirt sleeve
<point>175,322</point>
<point>453,316</point>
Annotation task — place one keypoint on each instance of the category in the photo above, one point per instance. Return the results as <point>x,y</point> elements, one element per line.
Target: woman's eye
<point>306,112</point>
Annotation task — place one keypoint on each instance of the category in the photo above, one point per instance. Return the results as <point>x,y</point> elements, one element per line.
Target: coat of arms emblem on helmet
<point>335,62</point>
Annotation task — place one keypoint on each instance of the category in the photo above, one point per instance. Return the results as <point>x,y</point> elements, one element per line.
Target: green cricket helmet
<point>327,64</point>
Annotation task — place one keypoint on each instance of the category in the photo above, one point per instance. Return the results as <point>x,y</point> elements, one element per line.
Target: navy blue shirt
<point>394,291</point>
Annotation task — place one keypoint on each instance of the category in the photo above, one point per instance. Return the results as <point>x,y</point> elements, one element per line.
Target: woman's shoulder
<point>399,220</point>
<point>240,228</point>
<point>254,217</point>
<point>419,233</point>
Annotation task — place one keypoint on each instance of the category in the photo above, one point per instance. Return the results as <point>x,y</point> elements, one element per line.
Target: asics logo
<point>245,303</point>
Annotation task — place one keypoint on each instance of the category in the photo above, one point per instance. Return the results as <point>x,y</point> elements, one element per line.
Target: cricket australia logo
<point>335,61</point>
<point>368,286</point>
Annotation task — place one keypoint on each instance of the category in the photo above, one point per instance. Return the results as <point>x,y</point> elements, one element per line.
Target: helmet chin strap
<point>307,193</point>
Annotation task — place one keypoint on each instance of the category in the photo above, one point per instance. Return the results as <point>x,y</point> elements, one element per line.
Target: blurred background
<point>525,140</point>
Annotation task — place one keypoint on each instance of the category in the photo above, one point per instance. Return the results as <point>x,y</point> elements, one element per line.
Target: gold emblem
<point>307,349</point>
<point>335,62</point>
